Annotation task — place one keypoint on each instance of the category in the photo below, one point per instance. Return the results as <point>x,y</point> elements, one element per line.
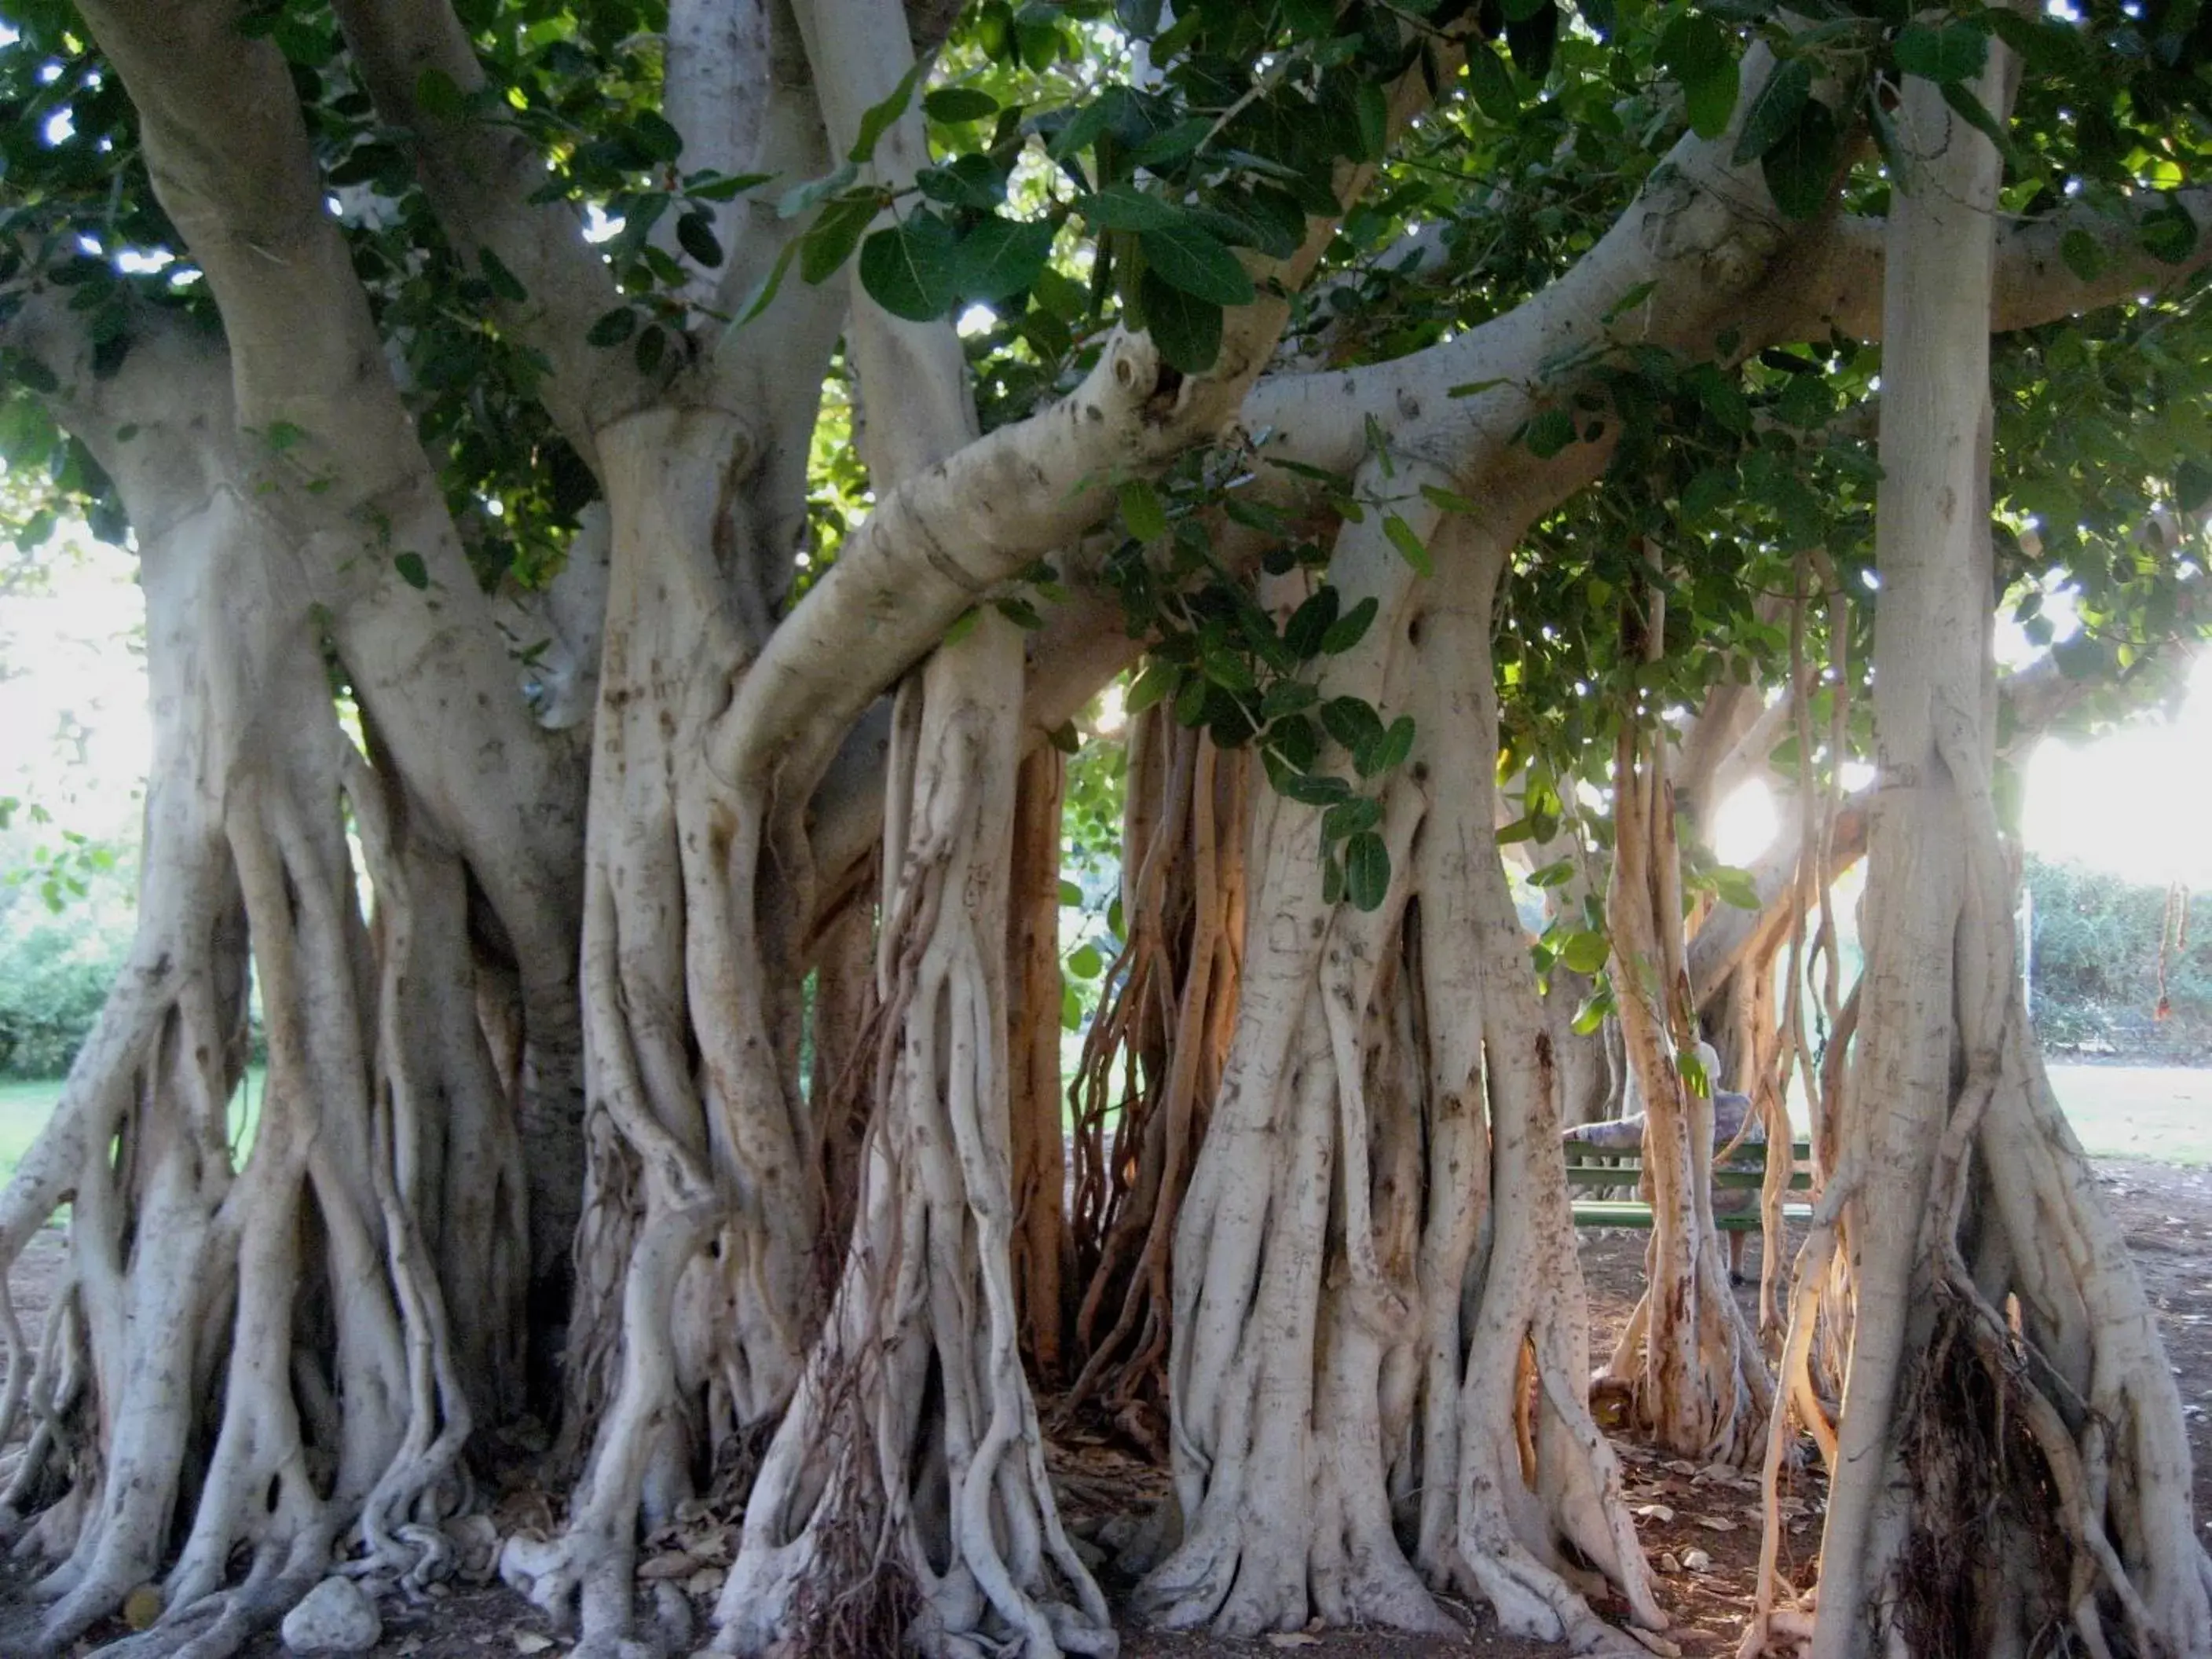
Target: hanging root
<point>912,1452</point>
<point>1165,1029</point>
<point>1693,1367</point>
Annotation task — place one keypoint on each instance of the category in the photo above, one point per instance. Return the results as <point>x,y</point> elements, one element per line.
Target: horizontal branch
<point>944,539</point>
<point>1835,283</point>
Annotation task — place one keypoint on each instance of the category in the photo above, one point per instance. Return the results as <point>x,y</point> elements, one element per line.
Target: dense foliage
<point>2119,966</point>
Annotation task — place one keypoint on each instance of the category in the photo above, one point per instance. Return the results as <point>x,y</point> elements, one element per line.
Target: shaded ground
<point>1684,1513</point>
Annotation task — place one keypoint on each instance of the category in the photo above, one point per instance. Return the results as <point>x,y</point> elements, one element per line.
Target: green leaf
<point>2169,235</point>
<point>1411,547</point>
<point>1141,512</point>
<point>1800,167</point>
<point>963,626</point>
<point>1154,683</point>
<point>1628,301</point>
<point>1186,257</point>
<point>1070,894</point>
<point>1190,701</point>
<point>1315,788</point>
<point>881,117</point>
<point>763,292</point>
<point>695,234</point>
<point>1735,887</point>
<point>437,95</point>
<point>909,270</point>
<point>1366,871</point>
<point>1710,102</point>
<point>1000,256</point>
<point>957,104</point>
<point>655,136</point>
<point>1585,952</point>
<point>1310,624</point>
<point>965,181</point>
<point>1549,432</point>
<point>1071,1009</point>
<point>799,197</point>
<point>1387,751</point>
<point>1491,83</point>
<point>1186,329</point>
<point>1977,116</point>
<point>1774,112</point>
<point>1591,1015</point>
<point>830,240</point>
<point>1351,721</point>
<point>611,328</point>
<point>282,435</point>
<point>1172,144</point>
<point>1348,630</point>
<point>1350,818</point>
<point>411,569</point>
<point>1533,40</point>
<point>2079,249</point>
<point>1946,53</point>
<point>1373,110</point>
<point>503,282</point>
<point>710,186</point>
<point>1698,52</point>
<point>1084,963</point>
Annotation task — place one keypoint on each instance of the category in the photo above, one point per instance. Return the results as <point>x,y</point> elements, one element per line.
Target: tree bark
<point>1041,1243</point>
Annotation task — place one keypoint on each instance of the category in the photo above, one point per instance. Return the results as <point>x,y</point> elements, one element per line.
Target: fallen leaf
<point>529,1641</point>
<point>676,1564</point>
<point>1714,1523</point>
<point>1655,1512</point>
<point>1292,1638</point>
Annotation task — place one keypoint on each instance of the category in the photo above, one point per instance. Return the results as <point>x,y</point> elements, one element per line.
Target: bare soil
<point>1703,1523</point>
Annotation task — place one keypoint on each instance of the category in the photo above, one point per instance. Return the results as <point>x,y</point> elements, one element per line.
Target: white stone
<point>334,1616</point>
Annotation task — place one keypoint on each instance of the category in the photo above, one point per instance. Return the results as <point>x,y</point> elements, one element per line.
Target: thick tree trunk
<point>2004,1364</point>
<point>905,1491</point>
<point>1380,1245</point>
<point>255,1357</point>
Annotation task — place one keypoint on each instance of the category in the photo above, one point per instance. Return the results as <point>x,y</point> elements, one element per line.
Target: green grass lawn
<point>25,1106</point>
<point>23,1110</point>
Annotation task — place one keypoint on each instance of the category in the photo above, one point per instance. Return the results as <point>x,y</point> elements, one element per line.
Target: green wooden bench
<point>1596,1167</point>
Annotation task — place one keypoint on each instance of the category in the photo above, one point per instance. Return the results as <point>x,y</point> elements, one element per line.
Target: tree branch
<point>1833,282</point>
<point>479,177</point>
<point>947,536</point>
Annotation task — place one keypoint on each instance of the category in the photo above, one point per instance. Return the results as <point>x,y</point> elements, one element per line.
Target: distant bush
<point>53,978</point>
<point>2095,966</point>
<point>66,905</point>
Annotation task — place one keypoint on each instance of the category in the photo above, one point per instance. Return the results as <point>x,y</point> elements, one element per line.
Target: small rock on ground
<point>334,1616</point>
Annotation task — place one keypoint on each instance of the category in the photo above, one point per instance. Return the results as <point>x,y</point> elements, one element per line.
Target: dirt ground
<point>1703,1524</point>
